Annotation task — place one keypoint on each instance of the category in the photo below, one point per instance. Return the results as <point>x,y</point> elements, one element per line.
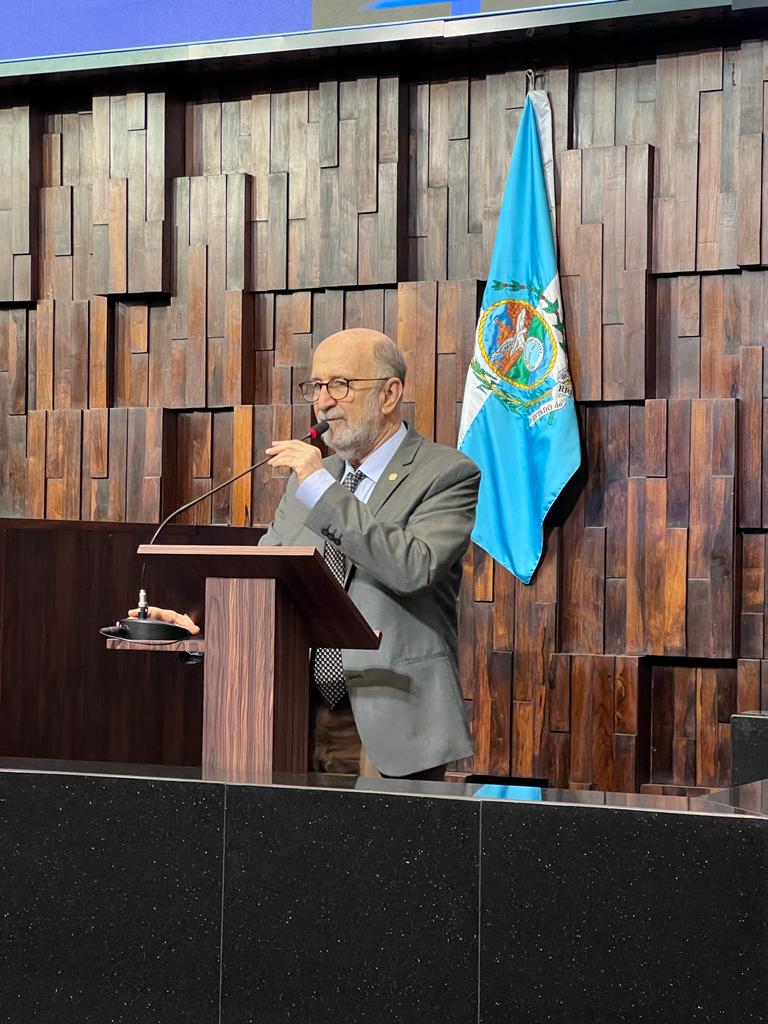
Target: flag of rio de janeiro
<point>519,419</point>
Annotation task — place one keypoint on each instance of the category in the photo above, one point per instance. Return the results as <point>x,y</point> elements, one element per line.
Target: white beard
<point>352,442</point>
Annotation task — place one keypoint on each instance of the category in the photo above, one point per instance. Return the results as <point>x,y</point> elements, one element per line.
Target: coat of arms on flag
<point>519,419</point>
<point>522,349</point>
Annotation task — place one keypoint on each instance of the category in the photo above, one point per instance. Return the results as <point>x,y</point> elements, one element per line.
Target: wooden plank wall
<point>19,181</point>
<point>167,266</point>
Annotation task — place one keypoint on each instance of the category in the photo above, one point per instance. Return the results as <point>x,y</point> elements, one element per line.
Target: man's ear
<point>392,395</point>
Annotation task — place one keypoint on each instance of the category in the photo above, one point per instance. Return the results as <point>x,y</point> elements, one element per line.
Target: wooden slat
<point>656,438</point>
<point>500,739</point>
<point>416,332</point>
<point>750,412</point>
<point>654,565</point>
<point>603,722</point>
<point>673,599</point>
<point>664,687</point>
<point>582,683</point>
<point>196,352</point>
<point>63,461</point>
<point>559,683</point>
<point>44,354</point>
<point>636,548</point>
<point>748,231</point>
<point>17,362</point>
<point>748,686</point>
<point>709,184</point>
<point>117,212</point>
<point>707,773</point>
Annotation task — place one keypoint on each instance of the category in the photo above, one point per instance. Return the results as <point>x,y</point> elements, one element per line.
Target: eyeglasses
<point>338,387</point>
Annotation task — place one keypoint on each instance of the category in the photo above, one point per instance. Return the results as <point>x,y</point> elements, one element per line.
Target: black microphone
<point>144,628</point>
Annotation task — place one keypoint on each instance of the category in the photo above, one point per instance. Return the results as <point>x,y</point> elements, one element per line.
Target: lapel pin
<point>392,476</point>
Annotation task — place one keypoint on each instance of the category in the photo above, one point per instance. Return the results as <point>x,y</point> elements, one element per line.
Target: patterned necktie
<point>327,667</point>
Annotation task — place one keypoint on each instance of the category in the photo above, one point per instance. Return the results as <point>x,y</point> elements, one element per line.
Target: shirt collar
<point>373,465</point>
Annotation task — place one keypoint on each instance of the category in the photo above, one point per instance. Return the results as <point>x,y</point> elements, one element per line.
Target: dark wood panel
<point>87,702</point>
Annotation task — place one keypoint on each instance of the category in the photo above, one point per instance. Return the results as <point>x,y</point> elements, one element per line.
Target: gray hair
<point>389,359</point>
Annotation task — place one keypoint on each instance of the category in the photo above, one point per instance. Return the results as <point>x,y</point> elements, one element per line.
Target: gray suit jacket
<point>404,552</point>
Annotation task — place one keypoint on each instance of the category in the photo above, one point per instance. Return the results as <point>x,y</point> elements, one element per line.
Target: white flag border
<point>543,111</point>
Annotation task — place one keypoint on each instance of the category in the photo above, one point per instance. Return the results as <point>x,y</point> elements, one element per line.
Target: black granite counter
<point>148,895</point>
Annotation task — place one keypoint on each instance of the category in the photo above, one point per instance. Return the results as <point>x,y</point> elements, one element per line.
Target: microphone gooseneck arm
<point>312,435</point>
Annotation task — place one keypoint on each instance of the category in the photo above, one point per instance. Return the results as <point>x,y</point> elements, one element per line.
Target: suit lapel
<point>394,474</point>
<point>396,471</point>
<point>335,467</point>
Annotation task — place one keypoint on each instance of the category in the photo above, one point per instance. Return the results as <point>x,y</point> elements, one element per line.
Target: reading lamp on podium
<point>144,628</point>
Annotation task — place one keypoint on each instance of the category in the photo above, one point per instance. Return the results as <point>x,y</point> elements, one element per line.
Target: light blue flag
<point>519,419</point>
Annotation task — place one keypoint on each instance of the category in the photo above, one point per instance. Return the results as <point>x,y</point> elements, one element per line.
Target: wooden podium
<point>264,609</point>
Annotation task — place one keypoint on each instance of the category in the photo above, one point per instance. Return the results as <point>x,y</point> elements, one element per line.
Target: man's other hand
<point>167,615</point>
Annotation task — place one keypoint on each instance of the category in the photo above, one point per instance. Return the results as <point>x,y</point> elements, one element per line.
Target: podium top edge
<point>244,550</point>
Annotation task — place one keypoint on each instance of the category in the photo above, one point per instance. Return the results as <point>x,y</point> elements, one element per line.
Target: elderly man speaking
<point>392,513</point>
<point>397,511</point>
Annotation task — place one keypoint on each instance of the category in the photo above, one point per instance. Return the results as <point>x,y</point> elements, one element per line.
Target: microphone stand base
<point>147,630</point>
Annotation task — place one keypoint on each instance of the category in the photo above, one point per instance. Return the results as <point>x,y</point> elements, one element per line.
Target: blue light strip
<point>494,792</point>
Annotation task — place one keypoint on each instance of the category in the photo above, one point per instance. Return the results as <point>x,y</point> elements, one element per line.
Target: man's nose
<point>324,400</point>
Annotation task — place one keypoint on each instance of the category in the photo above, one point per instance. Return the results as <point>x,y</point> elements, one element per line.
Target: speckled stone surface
<point>354,906</point>
<point>749,747</point>
<point>110,900</point>
<point>606,916</point>
<point>346,908</point>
